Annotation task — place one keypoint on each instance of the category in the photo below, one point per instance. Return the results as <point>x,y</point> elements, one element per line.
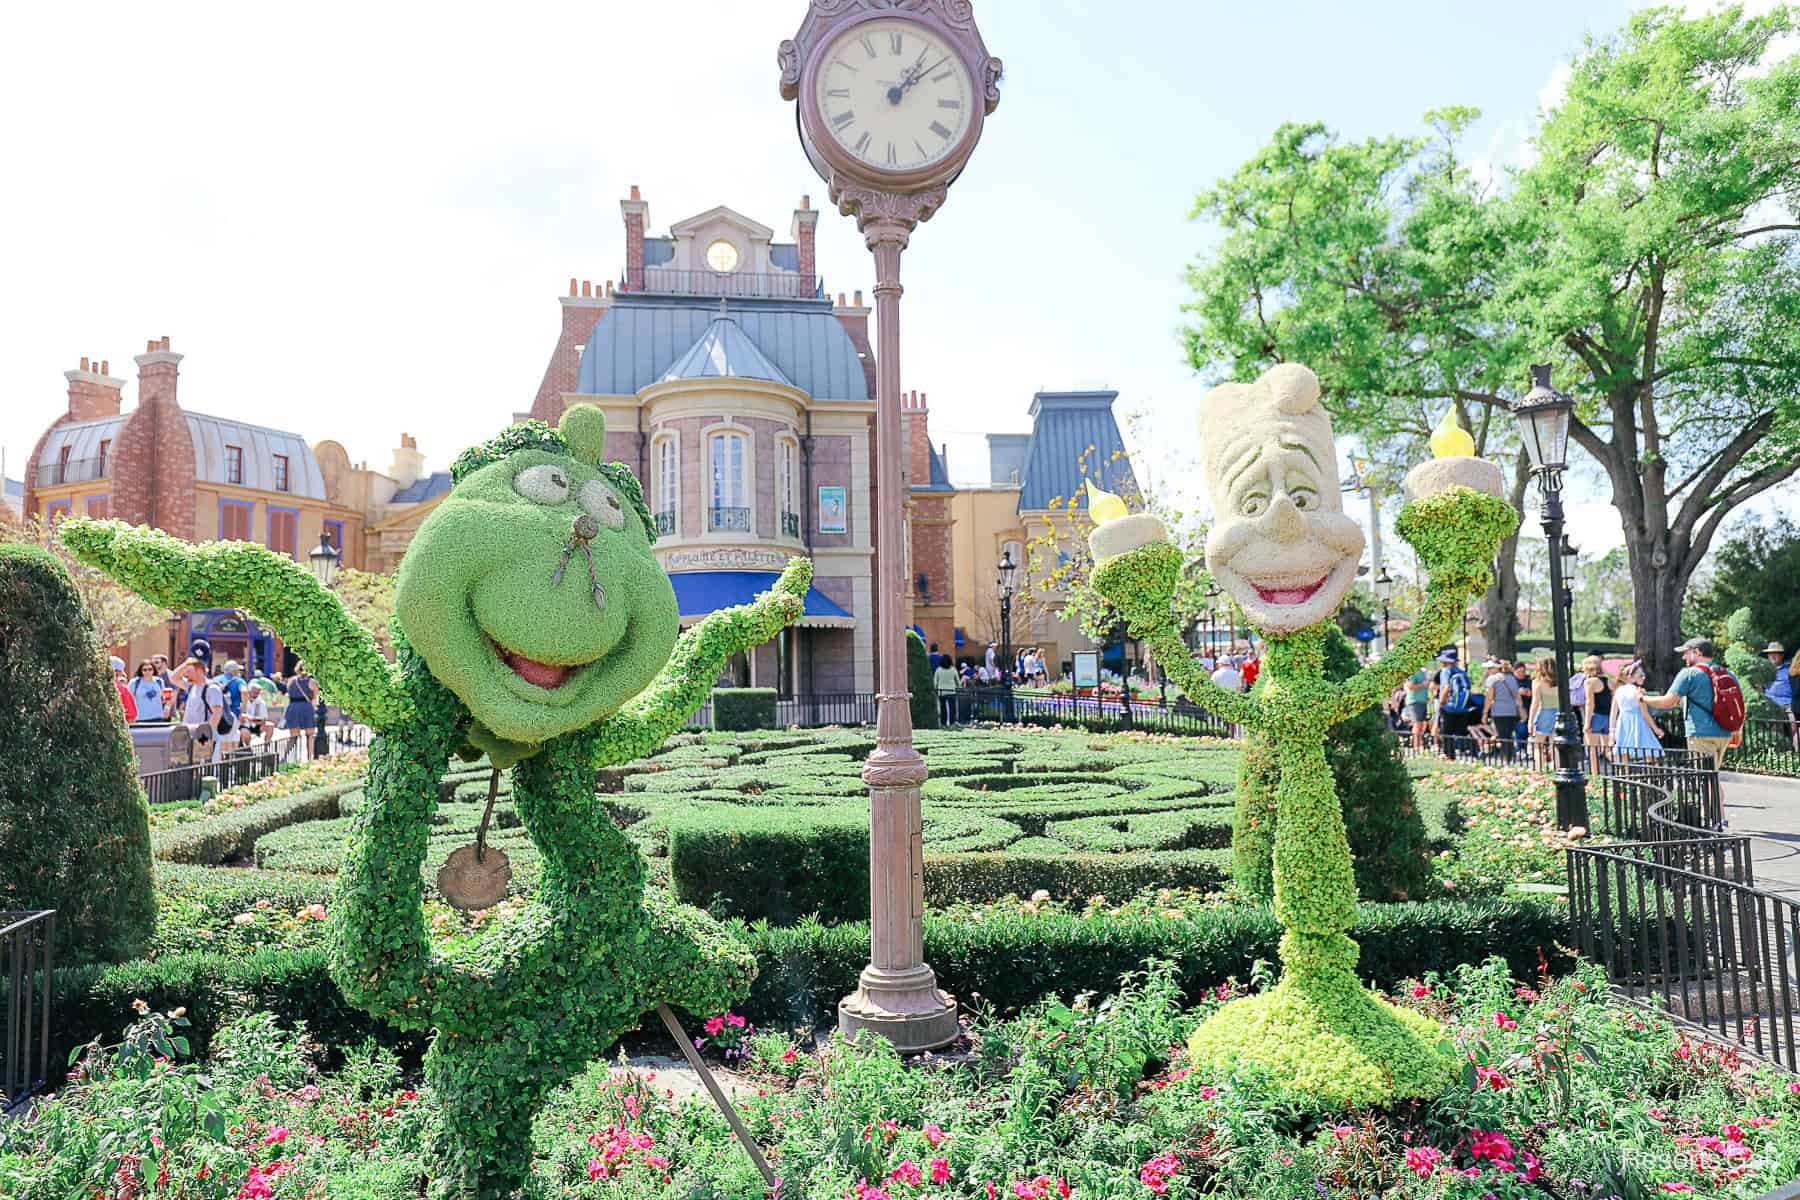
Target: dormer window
<point>280,463</point>
<point>234,464</point>
<point>722,256</point>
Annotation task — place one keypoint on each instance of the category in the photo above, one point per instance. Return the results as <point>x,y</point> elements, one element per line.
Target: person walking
<point>944,683</point>
<point>1780,691</point>
<point>1543,710</point>
<point>147,691</point>
<point>1697,689</point>
<point>205,712</point>
<point>1502,689</point>
<point>1596,711</point>
<point>300,717</point>
<point>231,678</point>
<point>1455,701</point>
<point>1634,735</point>
<point>1418,706</point>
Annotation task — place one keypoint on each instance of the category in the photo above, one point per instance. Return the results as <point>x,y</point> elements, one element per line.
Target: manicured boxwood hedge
<point>1005,962</point>
<point>233,834</point>
<point>761,862</point>
<point>743,708</point>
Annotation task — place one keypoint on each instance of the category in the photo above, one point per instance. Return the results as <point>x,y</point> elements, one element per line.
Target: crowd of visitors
<point>223,711</point>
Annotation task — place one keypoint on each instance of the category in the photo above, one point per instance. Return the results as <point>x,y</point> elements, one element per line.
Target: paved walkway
<point>1768,808</point>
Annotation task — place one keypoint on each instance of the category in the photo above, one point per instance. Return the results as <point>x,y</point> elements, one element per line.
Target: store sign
<point>227,624</point>
<point>1087,668</point>
<point>725,558</point>
<point>834,510</point>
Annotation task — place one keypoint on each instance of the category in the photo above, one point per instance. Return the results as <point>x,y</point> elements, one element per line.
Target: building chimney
<point>914,418</point>
<point>158,369</point>
<point>806,217</point>
<point>636,211</point>
<point>92,392</point>
<point>409,465</point>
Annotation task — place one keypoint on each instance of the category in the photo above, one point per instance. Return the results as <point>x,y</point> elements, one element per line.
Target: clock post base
<point>905,1007</point>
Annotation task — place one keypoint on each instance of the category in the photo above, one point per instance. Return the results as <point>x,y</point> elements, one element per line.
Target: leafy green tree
<point>74,826</point>
<point>1756,569</point>
<point>118,614</point>
<point>1650,251</point>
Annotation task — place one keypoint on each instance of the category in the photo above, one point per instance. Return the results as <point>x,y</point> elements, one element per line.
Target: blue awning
<point>698,593</point>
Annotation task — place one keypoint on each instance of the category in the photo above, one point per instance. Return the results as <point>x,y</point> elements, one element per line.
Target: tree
<point>118,615</point>
<point>1755,569</point>
<point>1649,251</point>
<point>369,599</point>
<point>74,825</point>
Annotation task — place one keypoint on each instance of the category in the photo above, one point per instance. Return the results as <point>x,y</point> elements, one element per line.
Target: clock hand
<point>920,74</point>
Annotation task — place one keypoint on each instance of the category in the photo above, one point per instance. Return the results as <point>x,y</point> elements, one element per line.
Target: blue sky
<point>356,222</point>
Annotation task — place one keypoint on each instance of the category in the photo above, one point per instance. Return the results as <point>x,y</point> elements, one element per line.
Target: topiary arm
<point>271,587</point>
<point>684,684</point>
<point>1141,585</point>
<point>1456,534</point>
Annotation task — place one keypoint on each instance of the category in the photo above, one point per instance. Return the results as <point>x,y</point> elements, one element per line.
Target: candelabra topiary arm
<point>1140,584</point>
<point>684,684</point>
<point>1456,533</point>
<point>271,587</point>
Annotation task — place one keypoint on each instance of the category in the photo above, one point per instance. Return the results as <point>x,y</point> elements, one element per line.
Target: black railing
<point>730,519</point>
<point>790,525</point>
<point>1148,712</point>
<point>665,523</point>
<point>1770,746</point>
<point>820,708</point>
<point>27,959</point>
<point>75,470</point>
<point>776,285</point>
<point>183,783</point>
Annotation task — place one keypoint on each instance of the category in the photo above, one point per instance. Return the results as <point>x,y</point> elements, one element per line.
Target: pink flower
<point>714,1026</point>
<point>789,1055</point>
<point>1156,1173</point>
<point>1505,1022</point>
<point>1423,1160</point>
<point>1485,1075</point>
<point>1420,991</point>
<point>1494,1146</point>
<point>1342,1132</point>
<point>734,1020</point>
<point>256,1187</point>
<point>1207,1091</point>
<point>595,1168</point>
<point>1532,1168</point>
<point>907,1172</point>
<point>940,1170</point>
<point>934,1135</point>
<point>275,1135</point>
<point>1677,1187</point>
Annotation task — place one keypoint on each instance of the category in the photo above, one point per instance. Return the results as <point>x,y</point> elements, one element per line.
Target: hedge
<point>232,834</point>
<point>1020,870</point>
<point>1006,962</point>
<point>760,863</point>
<point>743,708</point>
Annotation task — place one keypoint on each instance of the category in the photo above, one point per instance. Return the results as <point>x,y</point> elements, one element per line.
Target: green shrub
<point>775,864</point>
<point>918,682</point>
<point>232,834</point>
<point>1388,843</point>
<point>743,708</point>
<point>1033,864</point>
<point>74,825</point>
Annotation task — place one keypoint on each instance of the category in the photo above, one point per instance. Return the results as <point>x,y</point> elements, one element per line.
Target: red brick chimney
<point>806,217</point>
<point>92,392</point>
<point>153,472</point>
<point>582,309</point>
<point>854,317</point>
<point>913,426</point>
<point>636,211</point>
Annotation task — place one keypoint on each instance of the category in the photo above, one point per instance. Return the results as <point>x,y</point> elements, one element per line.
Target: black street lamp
<point>1384,591</point>
<point>323,563</point>
<point>1543,417</point>
<point>1003,588</point>
<point>1213,592</point>
<point>1571,559</point>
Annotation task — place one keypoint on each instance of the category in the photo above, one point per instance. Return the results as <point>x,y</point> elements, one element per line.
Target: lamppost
<point>1384,591</point>
<point>1543,417</point>
<point>324,564</point>
<point>1003,588</point>
<point>1213,592</point>
<point>891,102</point>
<point>1571,559</point>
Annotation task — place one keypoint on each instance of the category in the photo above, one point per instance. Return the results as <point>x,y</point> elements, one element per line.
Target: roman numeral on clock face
<point>862,143</point>
<point>844,94</point>
<point>843,119</point>
<point>892,160</point>
<point>867,45</point>
<point>937,127</point>
<point>894,40</point>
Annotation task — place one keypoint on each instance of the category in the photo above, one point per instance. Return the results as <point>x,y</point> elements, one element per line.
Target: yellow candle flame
<point>1450,439</point>
<point>1104,506</point>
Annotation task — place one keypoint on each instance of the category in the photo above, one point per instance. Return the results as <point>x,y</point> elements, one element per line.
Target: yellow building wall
<point>983,520</point>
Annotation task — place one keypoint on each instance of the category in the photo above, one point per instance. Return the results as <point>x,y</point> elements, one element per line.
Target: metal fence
<point>27,958</point>
<point>1769,746</point>
<point>183,783</point>
<point>1677,920</point>
<point>1026,706</point>
<point>819,708</point>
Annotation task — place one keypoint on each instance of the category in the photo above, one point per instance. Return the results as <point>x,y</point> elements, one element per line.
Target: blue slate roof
<point>725,351</point>
<point>658,251</point>
<point>15,487</point>
<point>698,593</point>
<point>785,255</point>
<point>1064,425</point>
<point>434,484</point>
<point>642,336</point>
<point>940,475</point>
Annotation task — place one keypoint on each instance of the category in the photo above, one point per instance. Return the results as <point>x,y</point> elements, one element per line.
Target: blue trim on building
<point>106,496</point>
<point>249,508</point>
<point>337,543</point>
<point>269,527</point>
<point>698,593</point>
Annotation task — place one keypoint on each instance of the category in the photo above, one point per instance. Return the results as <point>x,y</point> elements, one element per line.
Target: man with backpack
<point>1455,701</point>
<point>1712,703</point>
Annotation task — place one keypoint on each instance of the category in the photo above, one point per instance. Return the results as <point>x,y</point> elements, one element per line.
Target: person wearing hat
<point>1781,689</point>
<point>125,698</point>
<point>232,680</point>
<point>1693,690</point>
<point>1454,701</point>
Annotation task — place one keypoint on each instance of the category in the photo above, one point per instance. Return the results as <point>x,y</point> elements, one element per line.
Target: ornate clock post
<point>892,94</point>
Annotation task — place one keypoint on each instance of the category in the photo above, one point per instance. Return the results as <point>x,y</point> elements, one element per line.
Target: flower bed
<point>1508,834</point>
<point>1564,1093</point>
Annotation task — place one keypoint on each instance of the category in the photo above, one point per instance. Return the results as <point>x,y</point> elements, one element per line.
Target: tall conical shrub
<point>74,826</point>
<point>918,681</point>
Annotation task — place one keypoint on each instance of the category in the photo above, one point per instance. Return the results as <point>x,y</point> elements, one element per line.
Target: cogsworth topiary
<point>533,623</point>
<point>1282,546</point>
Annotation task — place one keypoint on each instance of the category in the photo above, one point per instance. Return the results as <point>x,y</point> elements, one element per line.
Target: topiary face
<point>530,591</point>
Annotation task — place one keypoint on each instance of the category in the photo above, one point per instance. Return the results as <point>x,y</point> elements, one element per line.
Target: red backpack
<point>1728,698</point>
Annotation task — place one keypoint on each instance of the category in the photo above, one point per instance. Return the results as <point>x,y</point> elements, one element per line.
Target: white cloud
<point>1550,96</point>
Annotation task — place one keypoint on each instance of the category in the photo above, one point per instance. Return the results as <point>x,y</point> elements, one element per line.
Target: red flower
<point>940,1170</point>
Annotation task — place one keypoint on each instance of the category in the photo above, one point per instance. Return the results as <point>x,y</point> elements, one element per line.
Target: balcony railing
<point>75,470</point>
<point>736,520</point>
<point>777,286</point>
<point>790,525</point>
<point>665,524</point>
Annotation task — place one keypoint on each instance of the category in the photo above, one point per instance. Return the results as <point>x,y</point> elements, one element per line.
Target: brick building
<point>742,396</point>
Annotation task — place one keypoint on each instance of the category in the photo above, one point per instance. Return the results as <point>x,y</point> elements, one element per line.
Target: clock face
<point>894,95</point>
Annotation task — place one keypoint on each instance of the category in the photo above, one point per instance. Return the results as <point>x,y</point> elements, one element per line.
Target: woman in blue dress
<point>1634,735</point>
<point>303,693</point>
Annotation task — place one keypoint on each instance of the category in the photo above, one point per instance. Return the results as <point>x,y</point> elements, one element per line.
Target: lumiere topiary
<point>535,625</point>
<point>1284,549</point>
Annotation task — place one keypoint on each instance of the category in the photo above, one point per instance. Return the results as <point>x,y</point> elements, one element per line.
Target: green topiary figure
<point>1744,658</point>
<point>533,623</point>
<point>74,827</point>
<point>1387,836</point>
<point>1283,548</point>
<point>918,679</point>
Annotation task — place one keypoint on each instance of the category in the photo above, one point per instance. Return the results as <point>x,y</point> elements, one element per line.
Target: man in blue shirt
<point>233,683</point>
<point>1781,690</point>
<point>1693,690</point>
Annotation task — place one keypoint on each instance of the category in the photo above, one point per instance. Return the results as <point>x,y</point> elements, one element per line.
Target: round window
<point>722,256</point>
